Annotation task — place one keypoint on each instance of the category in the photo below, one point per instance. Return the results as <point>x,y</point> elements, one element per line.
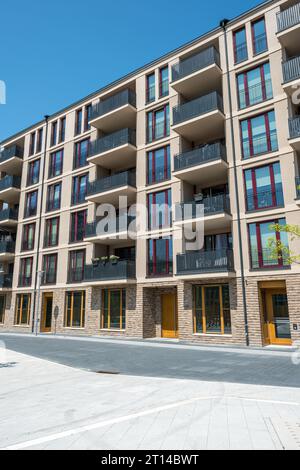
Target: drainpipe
<point>35,315</point>
<point>223,25</point>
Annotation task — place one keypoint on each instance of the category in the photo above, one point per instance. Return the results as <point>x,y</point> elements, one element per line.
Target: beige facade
<point>215,134</point>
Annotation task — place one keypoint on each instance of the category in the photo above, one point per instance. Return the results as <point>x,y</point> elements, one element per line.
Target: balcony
<point>122,271</point>
<point>294,126</point>
<point>298,189</point>
<point>200,119</point>
<point>194,263</point>
<point>291,74</point>
<point>206,164</point>
<point>6,280</point>
<point>108,190</point>
<point>116,112</point>
<point>216,212</point>
<point>114,150</point>
<point>8,218</point>
<point>10,188</point>
<point>7,250</point>
<point>288,28</point>
<point>11,160</point>
<point>197,73</point>
<point>111,232</point>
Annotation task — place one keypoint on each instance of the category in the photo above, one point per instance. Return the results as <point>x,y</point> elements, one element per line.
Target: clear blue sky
<point>55,52</point>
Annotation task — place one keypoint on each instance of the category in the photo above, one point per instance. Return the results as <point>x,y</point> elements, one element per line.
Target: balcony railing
<point>25,281</point>
<point>265,198</point>
<point>113,102</point>
<point>112,141</point>
<point>291,69</point>
<point>6,280</point>
<point>212,205</point>
<point>294,125</point>
<point>119,224</point>
<point>10,182</point>
<point>260,43</point>
<point>255,94</point>
<point>49,277</point>
<point>110,271</point>
<point>268,258</point>
<point>288,18</point>
<point>7,246</point>
<point>202,262</point>
<point>200,156</point>
<point>75,275</point>
<point>126,178</point>
<point>8,214</point>
<point>14,151</point>
<point>298,187</point>
<point>194,63</point>
<point>203,105</point>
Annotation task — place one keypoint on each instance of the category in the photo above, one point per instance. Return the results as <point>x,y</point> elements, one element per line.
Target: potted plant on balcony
<point>104,260</point>
<point>114,259</point>
<point>95,262</point>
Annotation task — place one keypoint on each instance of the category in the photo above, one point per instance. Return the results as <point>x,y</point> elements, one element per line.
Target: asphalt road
<point>162,362</point>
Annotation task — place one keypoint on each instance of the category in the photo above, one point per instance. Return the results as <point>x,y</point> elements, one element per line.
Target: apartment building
<point>214,123</point>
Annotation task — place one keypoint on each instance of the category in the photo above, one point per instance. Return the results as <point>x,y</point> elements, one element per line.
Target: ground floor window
<point>22,314</point>
<point>212,309</point>
<point>2,308</point>
<point>113,309</point>
<point>75,309</point>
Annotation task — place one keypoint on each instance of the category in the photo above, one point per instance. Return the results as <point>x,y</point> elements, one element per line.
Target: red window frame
<point>50,197</point>
<point>40,133</point>
<point>254,186</point>
<point>250,135</point>
<point>22,282</point>
<point>28,208</point>
<point>153,118</point>
<point>48,232</point>
<point>259,245</point>
<point>74,217</point>
<point>46,263</point>
<point>152,214</point>
<point>253,35</point>
<point>155,273</point>
<point>32,143</point>
<point>25,239</point>
<point>246,85</point>
<point>235,45</point>
<point>31,172</point>
<point>167,174</point>
<point>161,94</point>
<point>78,121</point>
<point>148,100</point>
<point>54,133</point>
<point>72,265</point>
<point>62,129</point>
<point>52,163</point>
<point>76,188</point>
<point>78,151</point>
<point>87,116</point>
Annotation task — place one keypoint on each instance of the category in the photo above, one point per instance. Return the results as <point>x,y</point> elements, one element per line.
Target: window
<point>260,234</point>
<point>113,309</point>
<point>39,140</point>
<point>158,124</point>
<point>79,189</point>
<point>54,134</point>
<point>51,232</point>
<point>22,313</point>
<point>259,36</point>
<point>255,86</point>
<point>75,310</point>
<point>159,210</point>
<point>53,197</point>
<point>160,257</point>
<point>212,310</point>
<point>62,129</point>
<point>33,172</point>
<point>218,242</point>
<point>31,204</point>
<point>78,223</point>
<point>87,117</point>
<point>259,135</point>
<point>150,88</point>
<point>126,252</point>
<point>32,144</point>
<point>25,277</point>
<point>263,187</point>
<point>49,269</point>
<point>76,266</point>
<point>158,165</point>
<point>164,81</point>
<point>81,153</point>
<point>56,163</point>
<point>240,45</point>
<point>2,309</point>
<point>28,237</point>
<point>78,122</point>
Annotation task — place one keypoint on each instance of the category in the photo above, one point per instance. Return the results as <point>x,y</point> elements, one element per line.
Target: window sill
<point>248,108</point>
<point>270,268</point>
<point>74,328</point>
<point>214,335</point>
<point>115,330</point>
<point>246,159</point>
<point>264,209</point>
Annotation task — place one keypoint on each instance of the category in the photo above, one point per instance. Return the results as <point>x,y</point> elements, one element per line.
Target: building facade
<point>214,124</point>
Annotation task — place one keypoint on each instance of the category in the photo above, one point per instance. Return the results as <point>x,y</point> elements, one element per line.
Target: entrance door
<point>278,320</point>
<point>169,316</point>
<point>47,313</point>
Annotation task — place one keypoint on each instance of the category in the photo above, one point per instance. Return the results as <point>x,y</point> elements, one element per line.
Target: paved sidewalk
<point>44,405</point>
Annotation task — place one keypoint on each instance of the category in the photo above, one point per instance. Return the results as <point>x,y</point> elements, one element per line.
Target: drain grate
<point>107,372</point>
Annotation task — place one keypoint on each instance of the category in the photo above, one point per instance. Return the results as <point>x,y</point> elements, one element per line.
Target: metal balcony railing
<point>298,186</point>
<point>113,102</point>
<point>294,125</point>
<point>10,182</point>
<point>202,262</point>
<point>212,205</point>
<point>196,62</point>
<point>10,152</point>
<point>265,198</point>
<point>268,258</point>
<point>260,43</point>
<point>119,224</point>
<point>8,214</point>
<point>49,277</point>
<point>288,18</point>
<point>25,281</point>
<point>112,141</point>
<point>203,105</point>
<point>126,178</point>
<point>75,275</point>
<point>201,155</point>
<point>6,280</point>
<point>291,69</point>
<point>256,94</point>
<point>110,271</point>
<point>7,246</point>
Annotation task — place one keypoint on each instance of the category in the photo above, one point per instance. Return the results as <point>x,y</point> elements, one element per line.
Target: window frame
<point>263,82</point>
<point>48,230</point>
<point>40,135</point>
<point>46,262</point>
<point>234,33</point>
<point>32,144</point>
<point>50,197</point>
<point>54,126</point>
<point>71,309</point>
<point>77,154</point>
<point>148,88</point>
<point>168,257</point>
<point>78,121</point>
<point>167,217</point>
<point>2,313</point>
<point>203,310</point>
<point>254,186</point>
<point>62,129</point>
<point>73,262</point>
<point>30,172</point>
<point>161,81</point>
<point>268,136</point>
<point>77,189</point>
<point>76,215</point>
<point>122,324</point>
<point>25,232</point>
<point>153,114</point>
<point>167,165</point>
<point>22,272</point>
<point>53,163</point>
<point>28,198</point>
<point>87,117</point>
<point>19,309</point>
<point>253,38</point>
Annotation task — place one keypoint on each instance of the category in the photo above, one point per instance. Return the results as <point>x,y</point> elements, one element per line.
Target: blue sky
<point>55,52</point>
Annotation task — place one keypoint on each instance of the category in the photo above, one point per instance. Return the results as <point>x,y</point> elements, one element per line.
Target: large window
<point>255,86</point>
<point>53,197</point>
<point>81,153</point>
<point>158,165</point>
<point>56,163</point>
<point>160,257</point>
<point>218,242</point>
<point>75,309</point>
<point>33,172</point>
<point>22,312</point>
<point>159,210</point>
<point>39,143</point>
<point>158,124</point>
<point>263,187</point>
<point>164,81</point>
<point>76,266</point>
<point>2,309</point>
<point>212,310</point>
<point>32,143</point>
<point>240,45</point>
<point>79,188</point>
<point>262,255</point>
<point>31,204</point>
<point>259,135</point>
<point>259,36</point>
<point>51,232</point>
<point>28,237</point>
<point>78,122</point>
<point>113,309</point>
<point>54,134</point>
<point>87,117</point>
<point>150,88</point>
<point>62,129</point>
<point>25,276</point>
<point>50,269</point>
<point>78,223</point>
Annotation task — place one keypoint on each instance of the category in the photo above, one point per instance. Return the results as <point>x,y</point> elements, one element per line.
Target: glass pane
<point>212,309</point>
<point>198,309</point>
<point>281,316</point>
<point>115,309</point>
<point>77,309</point>
<point>226,309</point>
<point>105,309</point>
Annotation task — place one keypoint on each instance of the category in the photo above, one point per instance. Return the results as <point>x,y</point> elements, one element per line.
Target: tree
<point>280,250</point>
